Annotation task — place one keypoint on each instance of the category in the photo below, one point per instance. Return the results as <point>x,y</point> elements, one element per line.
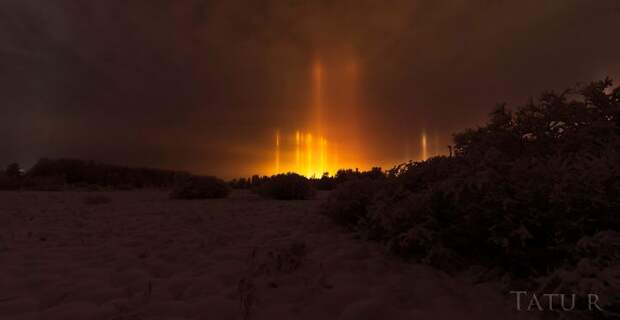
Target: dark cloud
<point>200,85</point>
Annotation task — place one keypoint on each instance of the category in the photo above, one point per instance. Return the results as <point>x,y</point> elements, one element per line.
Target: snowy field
<point>140,255</point>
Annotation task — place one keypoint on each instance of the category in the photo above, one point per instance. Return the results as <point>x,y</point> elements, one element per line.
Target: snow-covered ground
<point>144,256</point>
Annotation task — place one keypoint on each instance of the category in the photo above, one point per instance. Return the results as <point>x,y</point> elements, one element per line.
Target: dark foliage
<point>349,203</point>
<point>250,183</point>
<point>97,200</point>
<point>13,170</point>
<point>79,172</point>
<point>11,177</point>
<point>241,183</point>
<point>200,187</point>
<point>521,194</point>
<point>345,175</point>
<point>9,183</point>
<point>324,183</point>
<point>288,186</point>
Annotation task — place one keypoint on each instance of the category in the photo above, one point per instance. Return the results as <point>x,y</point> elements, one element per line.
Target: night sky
<point>203,85</point>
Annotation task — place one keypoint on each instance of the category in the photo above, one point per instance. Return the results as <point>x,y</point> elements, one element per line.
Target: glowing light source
<point>297,146</point>
<point>277,150</point>
<point>318,147</point>
<point>309,154</point>
<point>305,153</point>
<point>323,147</point>
<point>424,146</point>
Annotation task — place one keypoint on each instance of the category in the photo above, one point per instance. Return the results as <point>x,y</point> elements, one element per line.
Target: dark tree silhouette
<point>533,194</point>
<point>77,172</point>
<point>13,170</point>
<point>287,186</point>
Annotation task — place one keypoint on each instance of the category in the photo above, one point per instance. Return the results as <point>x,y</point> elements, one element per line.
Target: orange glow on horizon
<point>305,153</point>
<point>322,147</point>
<point>330,139</point>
